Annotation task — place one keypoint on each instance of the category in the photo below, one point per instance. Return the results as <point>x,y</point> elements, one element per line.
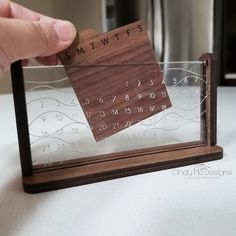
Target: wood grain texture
<point>117,79</point>
<point>211,102</point>
<point>84,174</point>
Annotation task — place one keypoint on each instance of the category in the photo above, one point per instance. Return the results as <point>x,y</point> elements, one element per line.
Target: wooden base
<point>84,174</point>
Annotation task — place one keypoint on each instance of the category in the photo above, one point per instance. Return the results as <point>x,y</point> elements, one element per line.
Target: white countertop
<point>160,203</point>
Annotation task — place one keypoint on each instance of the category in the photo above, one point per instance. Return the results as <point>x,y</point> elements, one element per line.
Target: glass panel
<point>59,131</point>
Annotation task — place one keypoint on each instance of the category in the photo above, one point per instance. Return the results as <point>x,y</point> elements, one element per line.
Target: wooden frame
<point>107,167</point>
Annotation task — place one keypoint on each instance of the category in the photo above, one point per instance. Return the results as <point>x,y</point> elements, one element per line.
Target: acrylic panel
<point>60,132</point>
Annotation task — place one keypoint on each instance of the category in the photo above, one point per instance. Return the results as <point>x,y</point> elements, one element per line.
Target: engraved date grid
<point>59,130</point>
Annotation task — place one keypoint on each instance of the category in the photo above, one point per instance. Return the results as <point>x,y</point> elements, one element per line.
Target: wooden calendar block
<point>116,78</point>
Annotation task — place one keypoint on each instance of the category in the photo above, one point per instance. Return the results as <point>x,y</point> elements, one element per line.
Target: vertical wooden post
<point>21,118</point>
<point>211,101</point>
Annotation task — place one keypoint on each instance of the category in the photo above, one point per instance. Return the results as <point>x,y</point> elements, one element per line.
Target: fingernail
<point>65,30</point>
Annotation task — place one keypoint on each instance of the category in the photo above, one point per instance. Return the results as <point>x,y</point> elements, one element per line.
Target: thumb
<point>20,39</point>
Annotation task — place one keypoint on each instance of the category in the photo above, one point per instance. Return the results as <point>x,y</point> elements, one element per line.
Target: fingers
<point>20,39</point>
<point>48,61</point>
<point>5,9</point>
<point>53,60</point>
<point>25,62</point>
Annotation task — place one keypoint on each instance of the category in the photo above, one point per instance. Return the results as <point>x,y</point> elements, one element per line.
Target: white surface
<point>159,203</point>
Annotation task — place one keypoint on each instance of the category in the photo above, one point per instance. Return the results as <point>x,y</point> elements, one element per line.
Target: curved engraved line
<point>49,87</point>
<point>189,71</point>
<point>171,113</point>
<point>179,140</point>
<point>35,135</point>
<point>189,88</point>
<point>42,114</point>
<point>51,138</point>
<point>50,98</point>
<point>187,77</point>
<point>190,109</point>
<point>190,121</point>
<point>193,134</point>
<point>46,82</point>
<point>197,117</point>
<point>168,114</point>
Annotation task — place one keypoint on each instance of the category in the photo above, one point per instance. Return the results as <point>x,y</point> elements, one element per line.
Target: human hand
<point>25,34</point>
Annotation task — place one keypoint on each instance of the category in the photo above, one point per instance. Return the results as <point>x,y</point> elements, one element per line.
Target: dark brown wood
<point>116,79</point>
<point>85,174</point>
<point>21,118</point>
<point>211,100</point>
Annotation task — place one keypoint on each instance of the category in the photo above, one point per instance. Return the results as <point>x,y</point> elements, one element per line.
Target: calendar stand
<point>114,165</point>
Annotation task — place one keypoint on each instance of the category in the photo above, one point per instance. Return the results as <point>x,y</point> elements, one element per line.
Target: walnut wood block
<point>116,79</point>
<point>84,174</point>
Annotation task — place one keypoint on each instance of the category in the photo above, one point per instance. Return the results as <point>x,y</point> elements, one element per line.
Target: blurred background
<point>179,30</point>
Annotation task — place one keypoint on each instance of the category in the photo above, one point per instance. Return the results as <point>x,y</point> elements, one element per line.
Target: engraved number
<point>46,148</point>
<point>101,101</point>
<point>127,97</point>
<point>102,113</point>
<point>128,110</point>
<point>152,95</point>
<point>45,133</point>
<point>140,109</point>
<point>102,127</point>
<point>115,112</point>
<point>140,96</point>
<point>61,147</point>
<point>88,114</point>
<point>116,125</point>
<point>128,124</point>
<point>152,108</point>
<point>59,117</point>
<point>163,107</point>
<point>163,94</point>
<point>174,81</point>
<point>114,98</point>
<point>87,101</point>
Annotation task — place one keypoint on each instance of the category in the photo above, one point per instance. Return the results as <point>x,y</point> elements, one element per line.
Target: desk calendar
<point>104,115</point>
